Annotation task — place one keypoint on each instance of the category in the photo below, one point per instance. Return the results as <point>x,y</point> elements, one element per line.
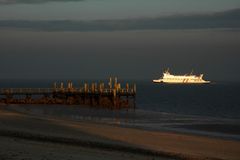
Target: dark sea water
<point>209,109</point>
<point>216,100</point>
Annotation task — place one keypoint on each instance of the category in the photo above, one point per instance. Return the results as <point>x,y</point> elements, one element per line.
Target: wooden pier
<point>111,95</point>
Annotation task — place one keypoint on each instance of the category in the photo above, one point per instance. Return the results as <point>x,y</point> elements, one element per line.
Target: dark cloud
<point>33,1</point>
<point>227,19</point>
<point>136,55</point>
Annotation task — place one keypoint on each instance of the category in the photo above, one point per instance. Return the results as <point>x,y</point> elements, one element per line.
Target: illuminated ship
<point>180,79</point>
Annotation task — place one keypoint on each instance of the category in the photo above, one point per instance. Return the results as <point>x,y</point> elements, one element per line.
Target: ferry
<point>181,79</point>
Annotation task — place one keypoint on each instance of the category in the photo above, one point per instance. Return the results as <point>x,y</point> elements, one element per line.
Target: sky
<point>107,9</point>
<point>131,39</point>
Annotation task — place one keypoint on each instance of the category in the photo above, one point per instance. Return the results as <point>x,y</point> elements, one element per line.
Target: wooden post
<point>85,88</point>
<point>62,86</point>
<point>118,87</point>
<point>114,93</point>
<point>115,82</point>
<point>110,83</point>
<point>114,97</point>
<point>93,88</point>
<point>68,85</point>
<point>101,87</point>
<point>127,87</point>
<point>134,89</point>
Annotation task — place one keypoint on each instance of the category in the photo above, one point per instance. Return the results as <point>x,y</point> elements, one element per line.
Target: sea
<point>205,109</point>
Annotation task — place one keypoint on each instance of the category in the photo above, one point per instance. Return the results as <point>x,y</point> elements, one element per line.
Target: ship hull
<point>181,82</point>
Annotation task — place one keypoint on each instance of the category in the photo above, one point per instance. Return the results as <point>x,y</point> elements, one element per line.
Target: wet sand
<point>222,128</point>
<point>26,136</point>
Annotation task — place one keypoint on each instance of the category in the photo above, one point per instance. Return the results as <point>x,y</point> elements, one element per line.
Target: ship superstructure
<point>187,78</point>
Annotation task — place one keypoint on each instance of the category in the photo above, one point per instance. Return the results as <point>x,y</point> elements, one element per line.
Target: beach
<point>77,80</point>
<point>31,136</point>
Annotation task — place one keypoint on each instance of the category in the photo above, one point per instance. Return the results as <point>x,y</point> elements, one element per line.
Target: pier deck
<point>112,96</point>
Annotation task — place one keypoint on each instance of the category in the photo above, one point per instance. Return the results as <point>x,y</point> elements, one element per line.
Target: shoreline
<point>165,144</point>
<point>139,119</point>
